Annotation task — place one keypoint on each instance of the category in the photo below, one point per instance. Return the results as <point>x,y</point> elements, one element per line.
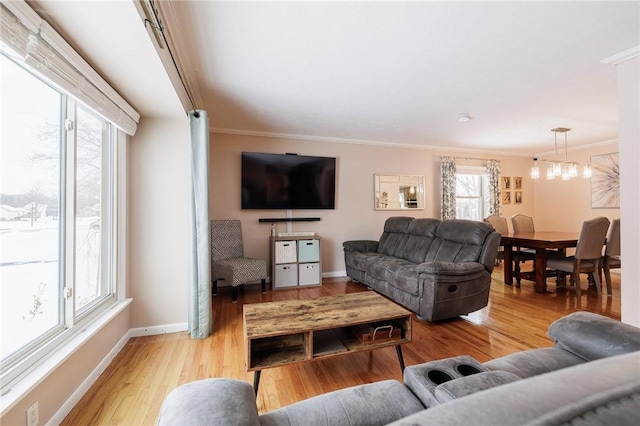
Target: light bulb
<point>550,173</point>
<point>586,172</point>
<point>573,170</point>
<point>535,171</point>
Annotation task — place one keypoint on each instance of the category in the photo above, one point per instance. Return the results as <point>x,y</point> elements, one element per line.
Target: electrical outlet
<point>33,418</point>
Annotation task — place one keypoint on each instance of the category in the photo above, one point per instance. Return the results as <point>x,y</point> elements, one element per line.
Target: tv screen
<point>287,181</point>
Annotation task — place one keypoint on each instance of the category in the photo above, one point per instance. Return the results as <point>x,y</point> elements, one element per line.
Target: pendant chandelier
<point>563,169</point>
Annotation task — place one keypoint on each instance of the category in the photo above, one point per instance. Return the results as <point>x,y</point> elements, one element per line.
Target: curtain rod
<point>158,29</point>
<point>468,158</point>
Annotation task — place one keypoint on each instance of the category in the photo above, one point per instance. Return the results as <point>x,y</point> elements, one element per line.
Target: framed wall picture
<point>506,197</point>
<point>506,182</point>
<point>517,197</point>
<point>517,182</point>
<point>605,181</point>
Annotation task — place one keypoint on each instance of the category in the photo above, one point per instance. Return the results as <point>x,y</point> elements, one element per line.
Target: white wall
<point>159,222</point>
<point>629,110</point>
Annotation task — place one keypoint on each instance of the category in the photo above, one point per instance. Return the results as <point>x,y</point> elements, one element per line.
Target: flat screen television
<point>287,181</point>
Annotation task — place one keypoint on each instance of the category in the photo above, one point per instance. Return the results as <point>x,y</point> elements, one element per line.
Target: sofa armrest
<point>366,246</point>
<point>463,386</point>
<point>450,268</point>
<point>591,336</point>
<point>210,401</point>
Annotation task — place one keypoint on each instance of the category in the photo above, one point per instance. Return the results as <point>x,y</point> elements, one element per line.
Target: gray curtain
<point>200,270</point>
<point>448,192</point>
<point>493,173</point>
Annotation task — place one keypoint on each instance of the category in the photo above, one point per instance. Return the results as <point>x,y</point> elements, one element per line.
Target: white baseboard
<point>84,387</point>
<point>158,329</point>
<point>334,274</point>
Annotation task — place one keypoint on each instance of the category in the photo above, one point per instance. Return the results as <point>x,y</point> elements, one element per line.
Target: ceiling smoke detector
<point>464,117</point>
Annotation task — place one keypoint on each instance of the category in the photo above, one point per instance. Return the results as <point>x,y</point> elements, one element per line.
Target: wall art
<point>605,181</point>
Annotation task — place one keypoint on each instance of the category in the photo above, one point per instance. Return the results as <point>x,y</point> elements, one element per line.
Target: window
<point>472,187</point>
<point>57,217</point>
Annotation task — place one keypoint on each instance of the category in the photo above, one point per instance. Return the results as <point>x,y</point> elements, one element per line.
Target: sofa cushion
<point>372,404</point>
<point>394,235</point>
<point>404,276</point>
<point>420,237</point>
<point>361,260</point>
<point>464,231</point>
<point>380,267</point>
<point>534,362</point>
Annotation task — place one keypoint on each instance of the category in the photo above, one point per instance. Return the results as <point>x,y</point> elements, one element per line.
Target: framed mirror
<point>398,192</point>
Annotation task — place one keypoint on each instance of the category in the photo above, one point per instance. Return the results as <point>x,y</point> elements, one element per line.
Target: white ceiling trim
<point>622,56</point>
<point>360,142</point>
<point>579,147</point>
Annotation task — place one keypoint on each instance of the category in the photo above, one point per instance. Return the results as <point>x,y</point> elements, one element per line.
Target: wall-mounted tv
<point>287,181</point>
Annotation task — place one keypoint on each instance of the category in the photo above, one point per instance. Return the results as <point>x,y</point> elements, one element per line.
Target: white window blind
<point>41,48</point>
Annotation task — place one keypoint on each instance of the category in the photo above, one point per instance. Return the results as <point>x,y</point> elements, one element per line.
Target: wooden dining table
<point>541,242</point>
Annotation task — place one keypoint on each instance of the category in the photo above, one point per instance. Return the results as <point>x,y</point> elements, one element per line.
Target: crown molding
<point>622,56</point>
<point>580,147</point>
<point>465,151</point>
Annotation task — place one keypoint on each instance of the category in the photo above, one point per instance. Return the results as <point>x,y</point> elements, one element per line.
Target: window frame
<point>484,189</point>
<point>74,321</point>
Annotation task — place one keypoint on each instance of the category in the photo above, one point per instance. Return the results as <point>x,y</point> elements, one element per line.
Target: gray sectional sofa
<point>590,376</point>
<point>437,269</point>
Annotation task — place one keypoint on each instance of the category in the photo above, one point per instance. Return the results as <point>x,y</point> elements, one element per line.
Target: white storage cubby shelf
<point>295,261</point>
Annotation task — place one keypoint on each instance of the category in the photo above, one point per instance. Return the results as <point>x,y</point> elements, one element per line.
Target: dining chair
<point>228,261</point>
<point>588,255</point>
<point>522,223</point>
<point>499,223</point>
<point>611,258</point>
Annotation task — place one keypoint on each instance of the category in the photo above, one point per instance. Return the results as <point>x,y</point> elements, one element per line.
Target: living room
<point>157,259</point>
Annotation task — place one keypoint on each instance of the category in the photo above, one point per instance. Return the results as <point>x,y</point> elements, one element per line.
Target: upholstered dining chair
<point>611,258</point>
<point>228,261</point>
<point>499,223</point>
<point>522,223</point>
<point>588,253</point>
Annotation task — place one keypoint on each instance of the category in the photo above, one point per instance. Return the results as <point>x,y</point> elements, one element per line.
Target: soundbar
<point>289,219</point>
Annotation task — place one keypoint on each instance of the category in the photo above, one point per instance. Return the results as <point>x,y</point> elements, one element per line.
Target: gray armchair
<point>227,258</point>
<point>588,253</point>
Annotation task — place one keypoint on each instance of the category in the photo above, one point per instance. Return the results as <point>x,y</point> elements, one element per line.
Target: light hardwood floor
<point>131,390</point>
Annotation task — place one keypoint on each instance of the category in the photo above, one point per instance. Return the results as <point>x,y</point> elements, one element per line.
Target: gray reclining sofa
<point>437,269</point>
<point>590,376</point>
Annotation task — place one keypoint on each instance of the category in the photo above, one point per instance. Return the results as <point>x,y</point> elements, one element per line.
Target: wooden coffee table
<point>291,331</point>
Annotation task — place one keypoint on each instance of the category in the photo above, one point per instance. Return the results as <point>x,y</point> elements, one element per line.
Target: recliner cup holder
<point>423,379</point>
<point>438,376</point>
<point>467,370</point>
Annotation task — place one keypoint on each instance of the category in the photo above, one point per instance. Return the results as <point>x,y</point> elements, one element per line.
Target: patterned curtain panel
<point>493,173</point>
<point>448,200</point>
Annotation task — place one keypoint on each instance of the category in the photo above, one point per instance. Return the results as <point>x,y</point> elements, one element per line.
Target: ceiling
<point>375,72</point>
